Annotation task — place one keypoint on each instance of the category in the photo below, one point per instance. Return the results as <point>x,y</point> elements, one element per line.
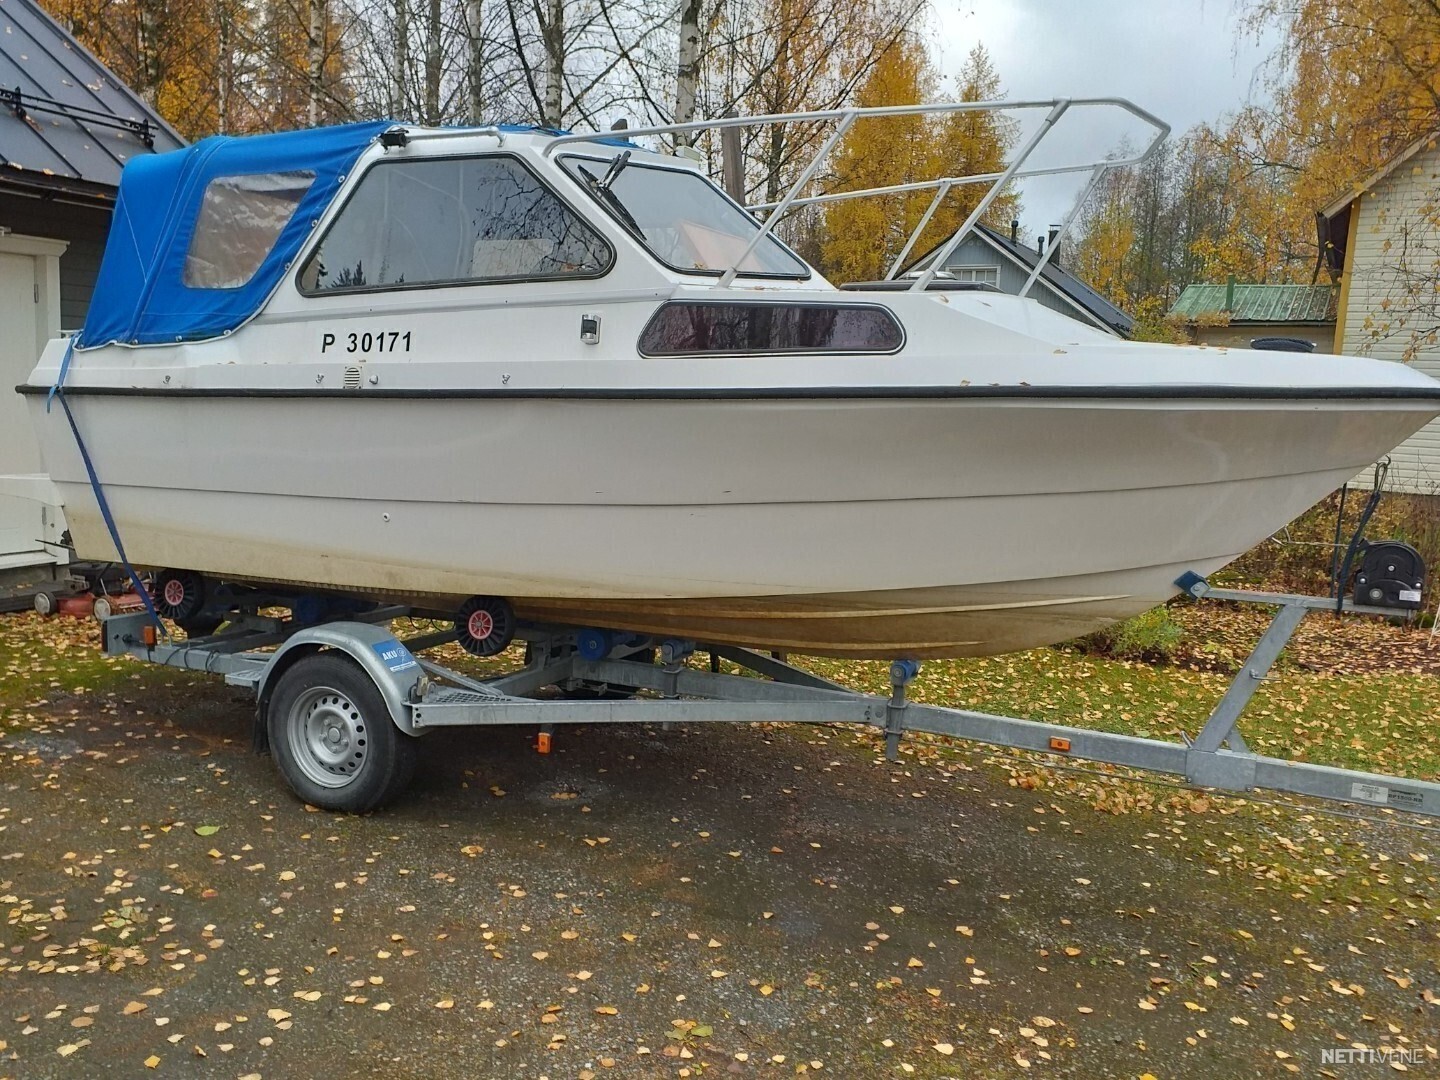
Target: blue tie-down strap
<point>139,585</point>
<point>60,378</point>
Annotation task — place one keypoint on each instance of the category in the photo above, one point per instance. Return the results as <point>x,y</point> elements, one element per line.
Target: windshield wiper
<point>616,168</point>
<point>598,186</point>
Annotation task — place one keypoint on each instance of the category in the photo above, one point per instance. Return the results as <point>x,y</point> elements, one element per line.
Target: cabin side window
<point>240,219</point>
<point>452,221</point>
<point>687,329</point>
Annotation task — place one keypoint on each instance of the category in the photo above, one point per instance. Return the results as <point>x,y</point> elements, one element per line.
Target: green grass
<point>1380,722</point>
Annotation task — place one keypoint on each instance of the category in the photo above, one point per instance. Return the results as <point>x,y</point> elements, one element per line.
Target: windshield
<point>685,220</point>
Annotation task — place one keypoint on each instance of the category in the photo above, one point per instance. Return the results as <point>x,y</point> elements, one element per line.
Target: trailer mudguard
<point>380,654</point>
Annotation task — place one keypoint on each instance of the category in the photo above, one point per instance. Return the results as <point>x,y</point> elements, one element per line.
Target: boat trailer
<point>338,701</point>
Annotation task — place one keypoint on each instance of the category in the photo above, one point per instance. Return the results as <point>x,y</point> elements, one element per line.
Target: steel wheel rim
<point>327,736</point>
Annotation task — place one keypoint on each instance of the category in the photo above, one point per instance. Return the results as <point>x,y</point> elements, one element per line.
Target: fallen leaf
<point>206,830</point>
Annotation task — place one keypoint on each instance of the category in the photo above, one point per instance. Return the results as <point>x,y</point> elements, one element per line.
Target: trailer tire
<point>333,738</point>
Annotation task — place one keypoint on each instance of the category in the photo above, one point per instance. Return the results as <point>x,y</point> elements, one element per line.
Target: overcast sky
<point>1180,59</point>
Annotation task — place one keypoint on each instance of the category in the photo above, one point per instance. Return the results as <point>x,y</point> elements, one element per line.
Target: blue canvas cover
<point>141,297</point>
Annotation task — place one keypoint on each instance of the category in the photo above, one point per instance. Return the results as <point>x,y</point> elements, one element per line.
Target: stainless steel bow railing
<point>845,119</point>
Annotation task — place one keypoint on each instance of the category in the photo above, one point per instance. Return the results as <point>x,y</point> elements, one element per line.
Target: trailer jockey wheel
<point>485,625</point>
<point>179,594</point>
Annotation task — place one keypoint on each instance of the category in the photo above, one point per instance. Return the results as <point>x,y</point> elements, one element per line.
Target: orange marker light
<point>1061,745</point>
<point>542,743</point>
<point>147,635</point>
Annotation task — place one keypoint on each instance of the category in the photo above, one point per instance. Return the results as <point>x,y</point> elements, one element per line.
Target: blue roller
<point>903,671</point>
<point>308,609</point>
<point>594,644</point>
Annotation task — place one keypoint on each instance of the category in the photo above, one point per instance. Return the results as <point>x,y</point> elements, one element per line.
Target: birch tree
<point>687,66</point>
<point>315,59</point>
<point>475,59</point>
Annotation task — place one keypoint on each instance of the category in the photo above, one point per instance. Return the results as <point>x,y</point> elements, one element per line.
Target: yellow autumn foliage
<point>862,237</point>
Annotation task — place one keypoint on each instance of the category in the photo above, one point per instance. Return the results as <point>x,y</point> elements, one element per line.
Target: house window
<point>452,221</point>
<point>983,275</point>
<point>240,219</point>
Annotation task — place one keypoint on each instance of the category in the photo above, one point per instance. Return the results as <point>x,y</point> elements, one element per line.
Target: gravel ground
<point>756,900</point>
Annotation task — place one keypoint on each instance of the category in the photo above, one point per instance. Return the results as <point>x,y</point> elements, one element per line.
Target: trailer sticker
<point>393,655</point>
<point>1371,793</point>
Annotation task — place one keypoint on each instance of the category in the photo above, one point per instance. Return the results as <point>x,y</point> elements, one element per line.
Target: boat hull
<point>844,525</point>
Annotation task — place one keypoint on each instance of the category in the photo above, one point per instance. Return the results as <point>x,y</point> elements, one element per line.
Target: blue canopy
<point>149,291</point>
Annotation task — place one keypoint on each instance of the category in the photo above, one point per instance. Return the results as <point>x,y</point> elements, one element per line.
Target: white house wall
<point>1398,198</point>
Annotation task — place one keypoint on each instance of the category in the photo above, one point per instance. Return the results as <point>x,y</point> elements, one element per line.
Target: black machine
<point>1282,344</point>
<point>1391,574</point>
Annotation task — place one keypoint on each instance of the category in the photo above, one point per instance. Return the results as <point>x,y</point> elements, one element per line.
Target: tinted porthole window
<point>240,219</point>
<point>450,221</point>
<point>681,329</point>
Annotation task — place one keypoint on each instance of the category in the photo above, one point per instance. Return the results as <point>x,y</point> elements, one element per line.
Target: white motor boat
<point>571,374</point>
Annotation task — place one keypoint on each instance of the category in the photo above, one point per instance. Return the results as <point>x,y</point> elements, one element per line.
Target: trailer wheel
<point>333,738</point>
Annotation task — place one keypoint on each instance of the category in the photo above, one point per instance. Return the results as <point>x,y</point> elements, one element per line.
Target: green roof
<point>1261,303</point>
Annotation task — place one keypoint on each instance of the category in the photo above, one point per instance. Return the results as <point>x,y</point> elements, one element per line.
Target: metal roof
<point>1071,287</point>
<point>66,122</point>
<point>1261,303</point>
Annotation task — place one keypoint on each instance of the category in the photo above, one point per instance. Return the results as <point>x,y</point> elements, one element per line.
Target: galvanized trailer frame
<point>420,695</point>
